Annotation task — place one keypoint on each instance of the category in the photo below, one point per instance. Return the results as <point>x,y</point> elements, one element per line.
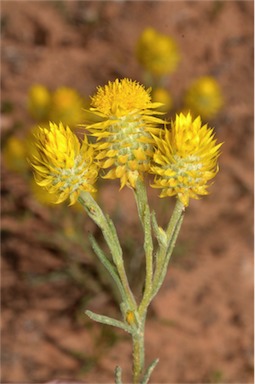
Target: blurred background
<point>196,56</point>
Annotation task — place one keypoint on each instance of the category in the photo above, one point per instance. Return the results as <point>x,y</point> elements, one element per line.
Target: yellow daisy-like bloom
<point>185,159</point>
<point>63,165</point>
<point>157,53</point>
<point>124,141</point>
<point>204,97</point>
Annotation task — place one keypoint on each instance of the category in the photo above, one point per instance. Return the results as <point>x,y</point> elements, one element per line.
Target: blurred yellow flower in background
<point>204,97</point>
<point>39,102</point>
<point>66,107</point>
<point>157,53</point>
<point>124,142</point>
<point>163,96</point>
<point>15,155</point>
<point>185,159</point>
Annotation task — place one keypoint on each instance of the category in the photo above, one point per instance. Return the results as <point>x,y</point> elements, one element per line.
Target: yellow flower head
<point>124,141</point>
<point>185,159</point>
<point>66,107</point>
<point>39,101</point>
<point>157,53</point>
<point>204,97</point>
<point>63,165</point>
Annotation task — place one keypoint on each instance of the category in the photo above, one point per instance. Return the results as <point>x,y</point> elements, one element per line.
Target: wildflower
<point>161,95</point>
<point>157,53</point>
<point>63,165</point>
<point>185,159</point>
<point>39,101</point>
<point>124,141</point>
<point>204,97</point>
<point>14,155</point>
<point>66,107</point>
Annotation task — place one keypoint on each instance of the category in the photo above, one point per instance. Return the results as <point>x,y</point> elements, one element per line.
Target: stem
<point>151,287</point>
<point>118,372</point>
<point>153,280</point>
<point>138,353</point>
<point>144,214</point>
<point>108,265</point>
<point>165,250</point>
<point>138,337</point>
<point>111,238</point>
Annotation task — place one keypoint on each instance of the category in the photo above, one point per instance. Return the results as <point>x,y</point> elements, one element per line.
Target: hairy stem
<point>166,248</point>
<point>111,238</point>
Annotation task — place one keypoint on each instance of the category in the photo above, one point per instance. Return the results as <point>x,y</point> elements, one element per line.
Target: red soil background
<point>201,323</point>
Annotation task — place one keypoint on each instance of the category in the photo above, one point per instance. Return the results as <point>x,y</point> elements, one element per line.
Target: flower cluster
<point>128,139</point>
<point>131,139</point>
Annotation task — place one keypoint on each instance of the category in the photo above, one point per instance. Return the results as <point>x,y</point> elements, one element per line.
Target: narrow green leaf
<point>148,373</point>
<point>108,265</point>
<point>108,320</point>
<point>158,231</point>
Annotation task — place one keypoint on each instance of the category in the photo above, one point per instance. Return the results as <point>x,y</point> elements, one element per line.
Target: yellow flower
<point>14,155</point>
<point>157,53</point>
<point>204,97</point>
<point>66,107</point>
<point>161,95</point>
<point>185,159</point>
<point>63,165</point>
<point>39,101</point>
<point>124,141</point>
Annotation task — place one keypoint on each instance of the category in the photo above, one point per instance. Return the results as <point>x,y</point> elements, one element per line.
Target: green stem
<point>118,372</point>
<point>108,265</point>
<point>153,280</point>
<point>138,353</point>
<point>166,248</point>
<point>144,214</point>
<point>138,336</point>
<point>111,238</point>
